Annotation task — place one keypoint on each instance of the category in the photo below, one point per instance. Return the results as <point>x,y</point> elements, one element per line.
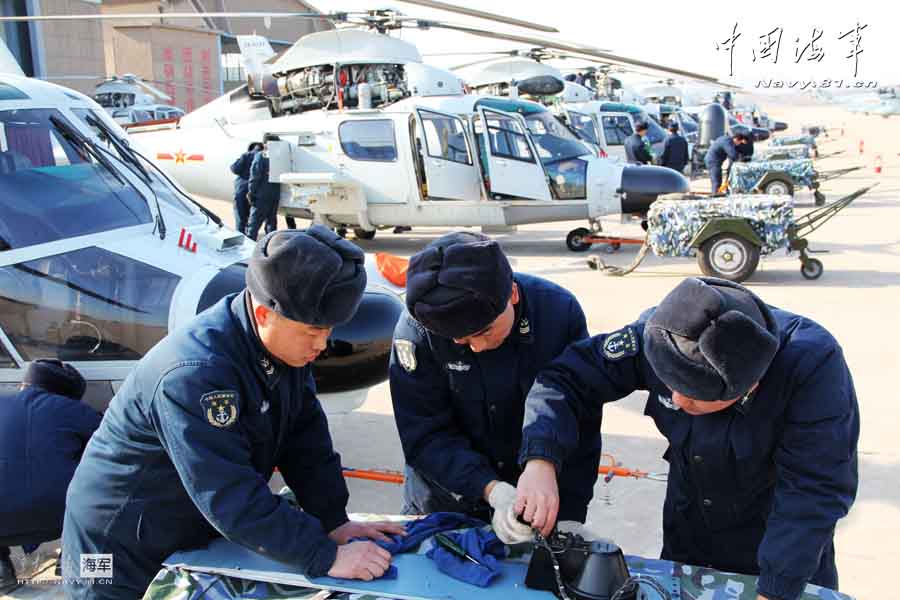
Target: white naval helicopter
<point>600,109</point>
<point>131,99</point>
<point>102,254</point>
<point>373,138</point>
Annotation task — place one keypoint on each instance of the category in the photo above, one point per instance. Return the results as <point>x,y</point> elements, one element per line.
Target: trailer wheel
<point>779,187</point>
<point>362,234</point>
<point>811,268</point>
<point>728,256</point>
<point>820,198</point>
<point>576,241</point>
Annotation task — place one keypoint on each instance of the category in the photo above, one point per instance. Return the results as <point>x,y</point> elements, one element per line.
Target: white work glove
<point>506,526</point>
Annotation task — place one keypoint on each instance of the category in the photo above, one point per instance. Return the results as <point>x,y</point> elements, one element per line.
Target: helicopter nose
<point>642,185</point>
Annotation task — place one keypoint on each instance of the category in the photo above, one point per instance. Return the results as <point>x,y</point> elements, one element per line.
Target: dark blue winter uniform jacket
<point>636,150</point>
<point>241,169</point>
<point>185,453</point>
<point>675,153</point>
<point>459,413</point>
<point>756,488</point>
<point>262,191</point>
<point>42,436</point>
<point>719,150</point>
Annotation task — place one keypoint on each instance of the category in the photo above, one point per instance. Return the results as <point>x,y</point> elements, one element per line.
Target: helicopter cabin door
<point>513,168</point>
<point>450,171</point>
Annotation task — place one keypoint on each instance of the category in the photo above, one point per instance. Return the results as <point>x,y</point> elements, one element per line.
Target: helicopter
<point>374,138</point>
<point>130,99</point>
<point>591,105</point>
<point>102,253</point>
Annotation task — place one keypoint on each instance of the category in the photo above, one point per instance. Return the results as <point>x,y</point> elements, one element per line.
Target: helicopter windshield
<point>51,190</point>
<point>560,152</point>
<point>161,188</point>
<point>114,99</point>
<point>554,142</point>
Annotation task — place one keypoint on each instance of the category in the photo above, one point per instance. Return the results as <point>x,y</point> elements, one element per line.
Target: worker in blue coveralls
<point>44,428</point>
<point>637,146</point>
<point>186,449</point>
<point>725,146</point>
<point>675,152</point>
<point>241,169</point>
<point>465,355</point>
<point>264,195</point>
<point>760,413</point>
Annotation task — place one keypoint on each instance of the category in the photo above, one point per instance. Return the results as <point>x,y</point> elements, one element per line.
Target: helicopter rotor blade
<point>153,90</point>
<point>173,15</point>
<point>480,14</point>
<point>574,48</point>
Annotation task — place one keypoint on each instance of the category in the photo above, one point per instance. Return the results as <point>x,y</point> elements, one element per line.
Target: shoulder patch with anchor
<point>621,344</point>
<point>406,354</point>
<point>220,408</point>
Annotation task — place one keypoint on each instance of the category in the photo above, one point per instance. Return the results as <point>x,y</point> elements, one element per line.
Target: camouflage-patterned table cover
<point>672,224</point>
<point>745,176</point>
<point>787,140</point>
<point>782,152</point>
<point>684,582</point>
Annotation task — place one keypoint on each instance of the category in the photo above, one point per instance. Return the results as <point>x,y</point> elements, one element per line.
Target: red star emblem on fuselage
<point>179,157</point>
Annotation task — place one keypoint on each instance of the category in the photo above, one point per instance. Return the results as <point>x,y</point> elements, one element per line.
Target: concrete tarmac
<point>857,299</point>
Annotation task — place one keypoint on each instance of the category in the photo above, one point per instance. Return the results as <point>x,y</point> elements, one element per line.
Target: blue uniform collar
<point>266,366</point>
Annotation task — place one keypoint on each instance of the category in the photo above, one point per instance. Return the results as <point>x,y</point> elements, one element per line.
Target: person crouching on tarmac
<point>43,431</point>
<point>465,355</point>
<point>186,449</point>
<point>760,413</point>
<point>725,146</point>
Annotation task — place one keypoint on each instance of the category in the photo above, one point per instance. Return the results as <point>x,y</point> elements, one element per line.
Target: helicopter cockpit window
<point>85,305</point>
<point>553,140</point>
<point>368,140</point>
<point>445,137</point>
<point>585,127</point>
<point>6,361</point>
<point>616,128</point>
<point>50,191</point>
<point>115,99</point>
<point>161,188</point>
<point>508,139</point>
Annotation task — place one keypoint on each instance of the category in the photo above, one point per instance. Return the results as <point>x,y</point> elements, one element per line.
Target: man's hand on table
<point>375,530</point>
<point>360,560</point>
<point>537,499</point>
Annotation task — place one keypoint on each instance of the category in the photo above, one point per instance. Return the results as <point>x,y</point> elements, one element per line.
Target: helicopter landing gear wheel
<point>820,198</point>
<point>341,231</point>
<point>362,234</point>
<point>576,241</point>
<point>811,268</point>
<point>728,256</point>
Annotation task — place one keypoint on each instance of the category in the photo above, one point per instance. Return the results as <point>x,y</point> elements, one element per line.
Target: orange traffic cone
<point>878,164</point>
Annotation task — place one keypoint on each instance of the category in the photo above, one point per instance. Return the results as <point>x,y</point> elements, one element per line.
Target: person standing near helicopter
<point>241,170</point>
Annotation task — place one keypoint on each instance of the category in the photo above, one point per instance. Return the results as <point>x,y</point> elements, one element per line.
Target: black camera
<point>576,569</point>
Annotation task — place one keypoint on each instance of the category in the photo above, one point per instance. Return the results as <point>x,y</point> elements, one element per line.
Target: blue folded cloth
<point>421,529</point>
<point>483,546</point>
